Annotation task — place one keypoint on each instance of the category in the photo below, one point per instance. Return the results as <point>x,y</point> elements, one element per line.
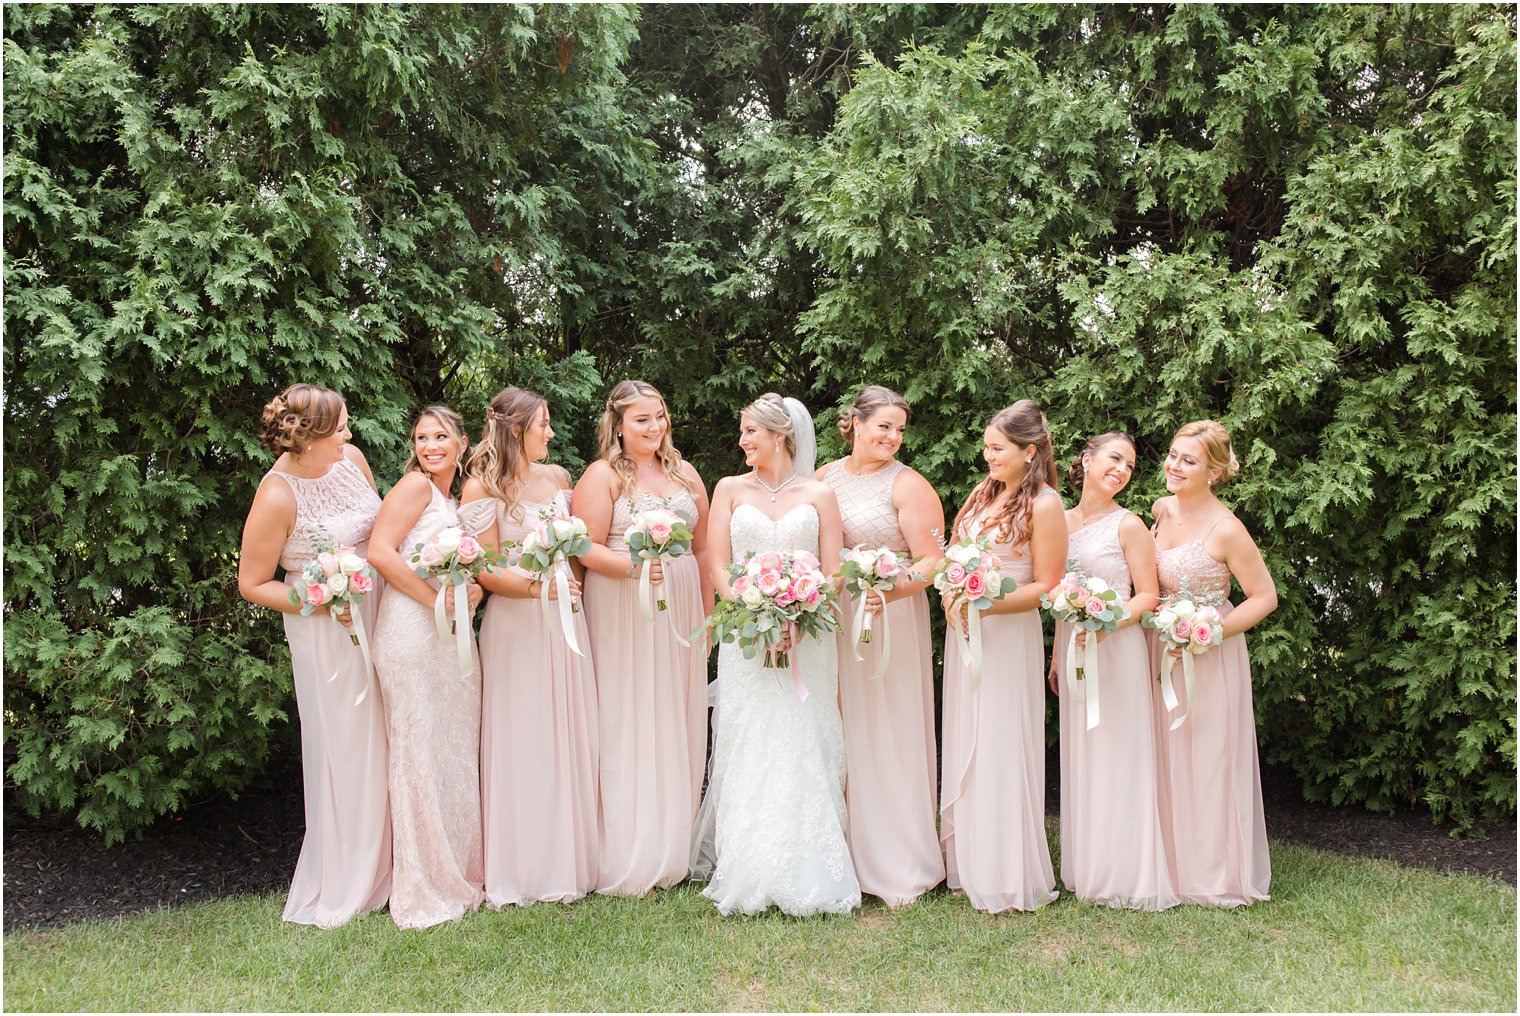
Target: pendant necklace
<point>777,488</point>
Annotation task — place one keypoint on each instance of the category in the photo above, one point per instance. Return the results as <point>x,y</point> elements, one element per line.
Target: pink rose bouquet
<point>871,569</point>
<point>657,534</point>
<point>454,558</point>
<point>1192,624</point>
<point>970,574</point>
<point>546,552</point>
<point>1087,603</point>
<point>773,594</point>
<point>336,578</point>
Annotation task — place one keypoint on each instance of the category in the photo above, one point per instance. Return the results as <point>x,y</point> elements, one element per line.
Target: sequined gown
<point>888,722</point>
<point>345,865</point>
<point>1210,780</point>
<point>538,738</point>
<point>1112,848</point>
<point>652,713</point>
<point>776,795</point>
<point>992,799</point>
<point>432,715</point>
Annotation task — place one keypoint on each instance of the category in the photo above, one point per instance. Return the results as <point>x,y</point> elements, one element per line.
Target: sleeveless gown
<point>652,714</point>
<point>433,719</point>
<point>1112,849</point>
<point>345,865</point>
<point>992,803</point>
<point>776,797</point>
<point>1210,782</point>
<point>888,723</point>
<point>538,743</point>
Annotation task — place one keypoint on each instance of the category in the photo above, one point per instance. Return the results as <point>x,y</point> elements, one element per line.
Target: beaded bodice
<point>751,531</point>
<point>337,508</point>
<point>624,509</point>
<point>1097,549</point>
<point>865,506</point>
<point>1191,565</point>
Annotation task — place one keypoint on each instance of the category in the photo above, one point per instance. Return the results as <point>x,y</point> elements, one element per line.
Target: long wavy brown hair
<point>623,395</point>
<point>499,457</point>
<point>1023,424</point>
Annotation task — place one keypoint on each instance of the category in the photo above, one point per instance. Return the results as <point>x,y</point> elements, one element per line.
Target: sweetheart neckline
<point>784,514</point>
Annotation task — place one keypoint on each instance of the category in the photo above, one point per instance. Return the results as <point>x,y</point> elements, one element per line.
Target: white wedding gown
<point>772,829</point>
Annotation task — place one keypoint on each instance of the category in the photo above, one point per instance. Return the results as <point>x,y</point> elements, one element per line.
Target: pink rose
<point>740,584</point>
<point>430,556</point>
<point>1202,634</point>
<point>804,587</point>
<point>786,598</point>
<point>770,561</point>
<point>659,532</point>
<point>1079,594</point>
<point>813,598</point>
<point>469,550</point>
<point>955,574</point>
<point>360,582</point>
<point>991,561</point>
<point>770,581</point>
<point>328,563</point>
<point>1182,631</point>
<point>805,560</point>
<point>887,566</point>
<point>316,594</point>
<point>1094,606</point>
<point>976,585</point>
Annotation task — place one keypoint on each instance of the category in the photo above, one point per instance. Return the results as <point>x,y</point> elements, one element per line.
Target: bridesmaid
<point>324,492</point>
<point>538,755</point>
<point>1211,784</point>
<point>1111,843</point>
<point>431,713</point>
<point>888,722</point>
<point>651,690</point>
<point>992,804</point>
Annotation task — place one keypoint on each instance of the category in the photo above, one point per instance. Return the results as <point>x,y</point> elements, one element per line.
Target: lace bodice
<point>751,530</point>
<point>1018,563</point>
<point>440,513</point>
<point>338,507</point>
<point>624,508</point>
<point>1097,549</point>
<point>1191,565</point>
<point>866,508</point>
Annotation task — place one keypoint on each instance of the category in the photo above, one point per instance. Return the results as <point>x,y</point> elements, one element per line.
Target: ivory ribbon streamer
<point>1169,696</point>
<point>561,569</point>
<point>670,619</point>
<point>974,645</point>
<point>862,626</point>
<point>1085,690</point>
<point>359,637</point>
<point>645,607</point>
<point>460,633</point>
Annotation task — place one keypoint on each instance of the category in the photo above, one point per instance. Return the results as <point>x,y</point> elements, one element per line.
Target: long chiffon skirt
<point>1112,849</point>
<point>433,719</point>
<point>992,803</point>
<point>538,757</point>
<point>652,719</point>
<point>890,756</point>
<point>1211,807</point>
<point>345,865</point>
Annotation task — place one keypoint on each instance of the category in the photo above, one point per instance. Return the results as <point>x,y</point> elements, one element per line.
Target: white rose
<point>564,529</point>
<point>1061,602</point>
<point>337,584</point>
<point>960,554</point>
<point>1165,619</point>
<point>351,564</point>
<point>530,544</point>
<point>752,597</point>
<point>1097,586</point>
<point>1183,608</point>
<point>995,585</point>
<point>448,539</point>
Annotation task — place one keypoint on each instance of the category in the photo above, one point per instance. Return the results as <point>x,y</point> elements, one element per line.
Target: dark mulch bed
<point>56,872</point>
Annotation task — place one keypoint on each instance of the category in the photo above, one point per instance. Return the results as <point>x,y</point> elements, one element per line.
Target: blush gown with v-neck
<point>776,797</point>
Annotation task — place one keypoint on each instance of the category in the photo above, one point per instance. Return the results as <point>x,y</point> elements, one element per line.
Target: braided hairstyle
<point>499,458</point>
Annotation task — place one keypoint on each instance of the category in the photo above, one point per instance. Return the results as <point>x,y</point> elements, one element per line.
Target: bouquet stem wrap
<point>860,632</point>
<point>974,646</point>
<point>456,628</point>
<point>359,637</point>
<point>645,594</point>
<point>562,586</point>
<point>1084,690</point>
<point>1169,694</point>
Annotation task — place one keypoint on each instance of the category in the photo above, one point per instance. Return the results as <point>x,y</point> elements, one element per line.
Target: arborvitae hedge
<point>1297,220</point>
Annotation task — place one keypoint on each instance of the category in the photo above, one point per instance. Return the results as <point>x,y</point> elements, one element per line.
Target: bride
<point>772,825</point>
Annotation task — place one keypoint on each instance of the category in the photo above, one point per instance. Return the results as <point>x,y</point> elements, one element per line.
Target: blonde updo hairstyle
<point>870,399</point>
<point>610,442</point>
<point>451,421</point>
<point>298,416</point>
<point>770,412</point>
<point>1023,424</point>
<point>500,456</point>
<point>1217,447</point>
<point>1077,473</point>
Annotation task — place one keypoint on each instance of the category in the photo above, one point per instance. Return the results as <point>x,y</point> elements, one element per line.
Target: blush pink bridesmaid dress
<point>345,865</point>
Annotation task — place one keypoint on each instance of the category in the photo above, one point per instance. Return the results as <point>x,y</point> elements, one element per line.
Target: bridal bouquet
<point>1087,603</point>
<point>775,594</point>
<point>546,552</point>
<point>454,559</point>
<point>970,574</point>
<point>865,569</point>
<point>657,534</point>
<point>337,577</point>
<point>1187,622</point>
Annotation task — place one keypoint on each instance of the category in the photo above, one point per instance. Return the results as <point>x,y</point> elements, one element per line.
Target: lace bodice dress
<point>777,788</point>
<point>889,742</point>
<point>1112,849</point>
<point>652,712</point>
<point>433,719</point>
<point>345,865</point>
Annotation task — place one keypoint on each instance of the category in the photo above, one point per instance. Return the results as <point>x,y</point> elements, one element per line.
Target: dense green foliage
<point>1300,221</point>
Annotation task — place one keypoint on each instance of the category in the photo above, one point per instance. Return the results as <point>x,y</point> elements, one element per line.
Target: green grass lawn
<point>1339,934</point>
